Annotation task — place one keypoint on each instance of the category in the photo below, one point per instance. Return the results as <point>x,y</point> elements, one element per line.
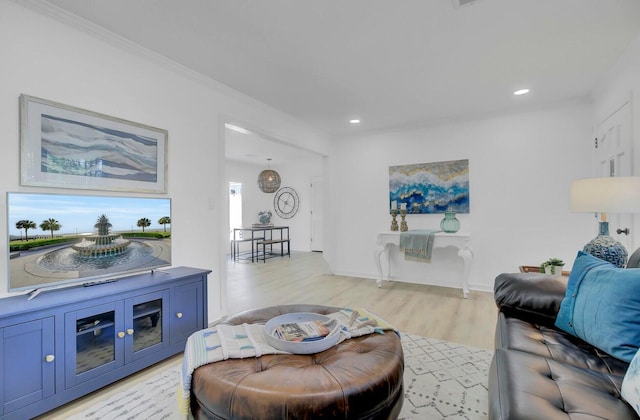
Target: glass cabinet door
<point>147,321</point>
<point>95,341</point>
<point>105,337</point>
<point>92,342</point>
<point>147,325</point>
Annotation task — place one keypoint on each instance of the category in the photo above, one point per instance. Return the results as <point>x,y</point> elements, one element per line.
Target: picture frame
<point>67,147</point>
<point>430,188</point>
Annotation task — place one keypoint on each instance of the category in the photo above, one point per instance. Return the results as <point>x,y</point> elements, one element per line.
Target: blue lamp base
<point>606,248</point>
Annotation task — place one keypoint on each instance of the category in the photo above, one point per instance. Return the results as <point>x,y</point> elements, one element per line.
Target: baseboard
<point>453,285</point>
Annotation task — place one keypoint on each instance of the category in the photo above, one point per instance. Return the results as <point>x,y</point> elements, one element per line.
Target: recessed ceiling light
<point>521,92</point>
<point>354,121</point>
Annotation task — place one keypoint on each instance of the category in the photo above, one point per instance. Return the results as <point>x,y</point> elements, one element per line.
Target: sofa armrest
<point>530,296</point>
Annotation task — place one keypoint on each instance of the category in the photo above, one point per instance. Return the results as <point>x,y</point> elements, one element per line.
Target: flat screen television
<point>56,239</point>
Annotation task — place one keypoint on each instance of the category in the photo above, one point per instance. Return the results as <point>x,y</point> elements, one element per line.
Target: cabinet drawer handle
<point>49,358</point>
<point>120,334</point>
<point>130,331</point>
<point>179,314</point>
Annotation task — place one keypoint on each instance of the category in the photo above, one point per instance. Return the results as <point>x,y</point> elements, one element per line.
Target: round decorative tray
<point>300,347</point>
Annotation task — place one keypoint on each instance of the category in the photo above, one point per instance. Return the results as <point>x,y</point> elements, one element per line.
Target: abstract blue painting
<point>430,187</point>
<point>68,147</point>
<point>76,148</point>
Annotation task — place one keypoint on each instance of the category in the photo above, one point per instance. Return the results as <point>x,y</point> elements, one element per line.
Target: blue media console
<point>66,343</point>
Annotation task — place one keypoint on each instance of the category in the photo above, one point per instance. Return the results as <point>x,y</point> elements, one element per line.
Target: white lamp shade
<point>606,195</point>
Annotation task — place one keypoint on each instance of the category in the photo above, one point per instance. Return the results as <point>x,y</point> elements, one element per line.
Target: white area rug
<point>442,381</point>
<point>154,399</point>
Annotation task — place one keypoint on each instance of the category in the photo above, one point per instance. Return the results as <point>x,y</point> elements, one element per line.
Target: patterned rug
<point>442,381</point>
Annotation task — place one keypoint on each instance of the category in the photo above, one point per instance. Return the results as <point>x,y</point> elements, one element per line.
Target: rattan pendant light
<point>269,180</point>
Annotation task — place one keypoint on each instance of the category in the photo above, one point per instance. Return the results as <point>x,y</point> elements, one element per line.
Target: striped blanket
<point>224,342</point>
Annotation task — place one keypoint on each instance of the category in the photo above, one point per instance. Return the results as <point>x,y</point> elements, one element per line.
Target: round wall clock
<point>286,202</point>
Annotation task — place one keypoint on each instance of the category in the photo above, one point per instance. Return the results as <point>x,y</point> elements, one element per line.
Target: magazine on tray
<point>302,331</point>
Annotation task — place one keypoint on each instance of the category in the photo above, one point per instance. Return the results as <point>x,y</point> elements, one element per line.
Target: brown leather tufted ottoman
<point>359,378</point>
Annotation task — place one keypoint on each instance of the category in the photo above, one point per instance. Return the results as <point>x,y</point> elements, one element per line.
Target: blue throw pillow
<point>602,306</point>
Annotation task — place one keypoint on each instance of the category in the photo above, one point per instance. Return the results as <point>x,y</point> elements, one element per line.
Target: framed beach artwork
<point>67,147</point>
<point>430,187</point>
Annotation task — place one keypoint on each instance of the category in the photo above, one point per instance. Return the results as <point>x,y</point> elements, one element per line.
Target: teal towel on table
<point>417,244</point>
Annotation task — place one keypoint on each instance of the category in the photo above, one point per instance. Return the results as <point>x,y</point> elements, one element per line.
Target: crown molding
<point>98,32</point>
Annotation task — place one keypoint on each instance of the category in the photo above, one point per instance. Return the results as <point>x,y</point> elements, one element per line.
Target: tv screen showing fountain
<point>56,239</point>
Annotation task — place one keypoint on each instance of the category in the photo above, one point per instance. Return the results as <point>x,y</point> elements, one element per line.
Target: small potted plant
<point>552,266</point>
<point>265,217</point>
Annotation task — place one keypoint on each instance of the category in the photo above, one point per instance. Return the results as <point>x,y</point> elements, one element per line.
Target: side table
<point>460,240</point>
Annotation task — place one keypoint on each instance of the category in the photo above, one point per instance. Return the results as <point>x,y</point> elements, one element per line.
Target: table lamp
<point>606,195</point>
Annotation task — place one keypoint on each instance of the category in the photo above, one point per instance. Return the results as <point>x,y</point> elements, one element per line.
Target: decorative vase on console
<point>265,217</point>
<point>450,224</point>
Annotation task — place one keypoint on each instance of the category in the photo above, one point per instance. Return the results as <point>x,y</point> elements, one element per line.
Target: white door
<point>316,213</point>
<point>613,148</point>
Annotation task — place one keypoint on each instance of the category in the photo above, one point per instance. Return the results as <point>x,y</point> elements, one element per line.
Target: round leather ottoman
<point>361,377</point>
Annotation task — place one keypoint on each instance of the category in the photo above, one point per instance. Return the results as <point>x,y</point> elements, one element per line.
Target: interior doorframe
<point>224,119</point>
<point>317,182</point>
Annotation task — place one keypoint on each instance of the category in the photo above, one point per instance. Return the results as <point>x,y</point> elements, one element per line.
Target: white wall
<point>521,167</point>
<point>296,175</point>
<point>45,58</point>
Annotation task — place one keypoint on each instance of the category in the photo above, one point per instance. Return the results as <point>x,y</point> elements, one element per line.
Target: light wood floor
<point>436,312</point>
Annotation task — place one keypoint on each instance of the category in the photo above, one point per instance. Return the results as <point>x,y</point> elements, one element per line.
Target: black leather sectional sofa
<point>541,372</point>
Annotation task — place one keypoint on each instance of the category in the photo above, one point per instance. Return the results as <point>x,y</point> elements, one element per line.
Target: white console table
<point>460,240</point>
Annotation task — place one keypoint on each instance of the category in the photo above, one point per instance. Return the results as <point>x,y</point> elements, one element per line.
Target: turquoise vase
<point>450,224</point>
<point>606,248</point>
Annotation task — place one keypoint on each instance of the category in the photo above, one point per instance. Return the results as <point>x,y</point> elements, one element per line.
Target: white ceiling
<point>389,63</point>
<point>256,149</point>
